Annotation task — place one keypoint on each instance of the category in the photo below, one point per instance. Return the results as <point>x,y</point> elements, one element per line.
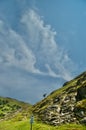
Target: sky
<point>42,45</point>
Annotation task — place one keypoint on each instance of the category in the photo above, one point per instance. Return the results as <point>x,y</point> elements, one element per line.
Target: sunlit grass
<point>25,125</point>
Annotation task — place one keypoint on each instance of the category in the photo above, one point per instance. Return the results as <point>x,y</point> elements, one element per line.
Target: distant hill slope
<point>65,105</point>
<point>10,108</point>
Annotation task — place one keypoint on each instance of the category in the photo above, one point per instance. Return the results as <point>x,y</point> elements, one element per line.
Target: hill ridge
<point>12,108</point>
<point>65,105</point>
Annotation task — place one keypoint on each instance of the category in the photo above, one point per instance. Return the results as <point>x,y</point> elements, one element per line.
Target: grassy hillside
<point>10,108</point>
<point>25,125</point>
<point>65,105</point>
<point>63,109</point>
<point>72,85</point>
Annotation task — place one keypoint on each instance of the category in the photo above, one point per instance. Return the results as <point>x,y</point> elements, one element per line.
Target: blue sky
<point>42,45</point>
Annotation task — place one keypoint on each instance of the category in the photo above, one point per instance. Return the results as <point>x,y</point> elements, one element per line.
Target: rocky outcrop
<point>61,110</point>
<point>66,105</point>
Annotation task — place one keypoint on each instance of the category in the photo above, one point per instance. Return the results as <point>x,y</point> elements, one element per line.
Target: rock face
<point>66,105</point>
<point>81,92</point>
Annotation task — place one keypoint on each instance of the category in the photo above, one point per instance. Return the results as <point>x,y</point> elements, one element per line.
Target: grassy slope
<point>16,123</point>
<point>72,85</point>
<point>10,108</point>
<point>25,125</point>
<point>19,122</point>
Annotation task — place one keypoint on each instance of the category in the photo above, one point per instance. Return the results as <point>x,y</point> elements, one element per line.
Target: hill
<point>63,109</point>
<point>65,105</point>
<point>12,108</point>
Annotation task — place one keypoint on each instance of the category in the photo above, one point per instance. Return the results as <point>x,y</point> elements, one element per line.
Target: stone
<point>83,121</point>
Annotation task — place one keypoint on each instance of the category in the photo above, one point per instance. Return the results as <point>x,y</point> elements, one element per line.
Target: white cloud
<point>42,42</point>
<point>14,51</point>
<point>51,72</point>
<point>36,51</point>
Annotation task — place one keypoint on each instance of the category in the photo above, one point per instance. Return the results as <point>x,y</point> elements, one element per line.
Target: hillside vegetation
<point>10,108</point>
<point>63,109</point>
<point>65,105</point>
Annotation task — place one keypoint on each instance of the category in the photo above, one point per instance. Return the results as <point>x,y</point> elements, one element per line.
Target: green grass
<point>11,107</point>
<point>25,125</point>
